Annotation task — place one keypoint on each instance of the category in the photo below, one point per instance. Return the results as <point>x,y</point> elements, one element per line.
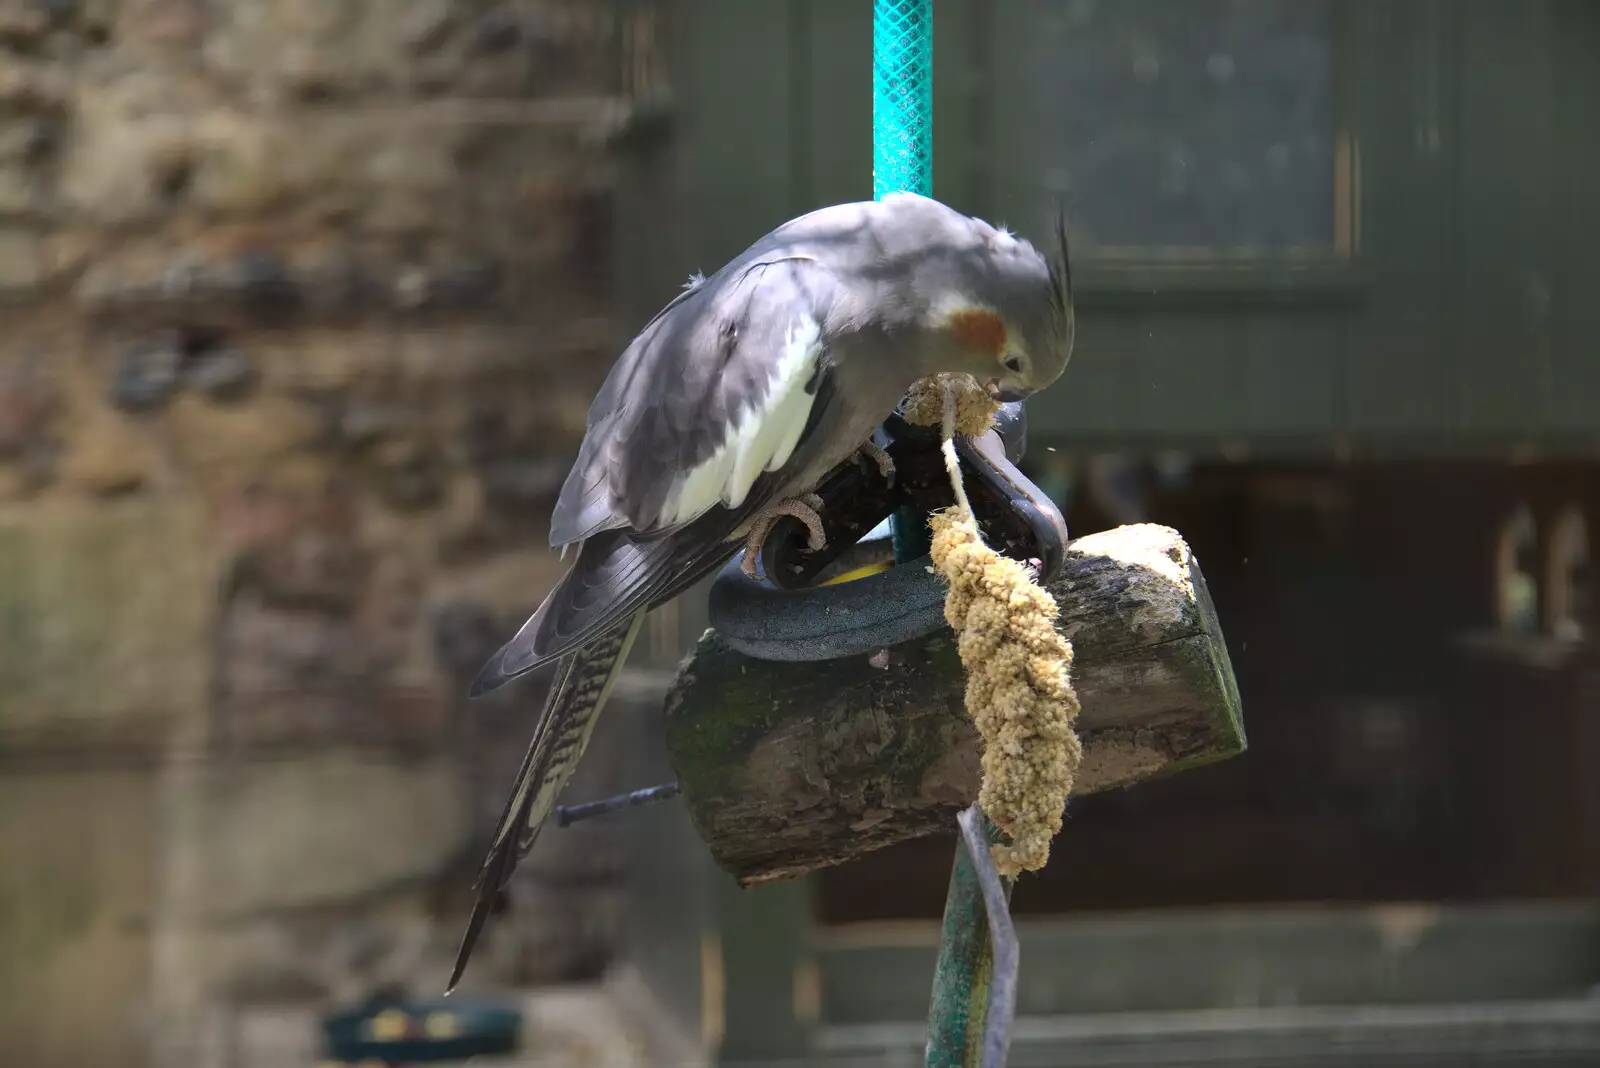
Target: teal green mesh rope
<point>902,150</point>
<point>902,97</point>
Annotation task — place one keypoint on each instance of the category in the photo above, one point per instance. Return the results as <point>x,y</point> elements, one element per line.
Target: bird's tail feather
<point>577,695</point>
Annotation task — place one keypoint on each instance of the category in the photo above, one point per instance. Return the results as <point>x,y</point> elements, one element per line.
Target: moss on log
<point>789,767</point>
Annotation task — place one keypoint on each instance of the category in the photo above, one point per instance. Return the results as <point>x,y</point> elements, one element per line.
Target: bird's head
<point>1008,320</point>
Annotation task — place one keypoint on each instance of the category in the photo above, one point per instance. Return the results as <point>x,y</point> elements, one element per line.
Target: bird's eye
<point>1012,363</point>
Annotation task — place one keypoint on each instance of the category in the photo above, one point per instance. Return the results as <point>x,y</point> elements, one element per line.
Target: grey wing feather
<point>673,399</point>
<point>577,696</point>
<point>584,507</point>
<point>680,390</point>
<point>622,571</point>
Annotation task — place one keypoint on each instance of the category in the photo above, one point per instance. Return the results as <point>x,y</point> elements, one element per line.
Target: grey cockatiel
<point>730,407</point>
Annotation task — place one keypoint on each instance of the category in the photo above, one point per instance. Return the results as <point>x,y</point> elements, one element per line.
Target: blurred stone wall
<point>303,303</point>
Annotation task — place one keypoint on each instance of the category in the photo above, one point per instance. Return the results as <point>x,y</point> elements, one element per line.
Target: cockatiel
<point>730,407</point>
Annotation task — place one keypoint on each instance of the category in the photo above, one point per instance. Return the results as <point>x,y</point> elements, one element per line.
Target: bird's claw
<point>879,457</point>
<point>806,508</point>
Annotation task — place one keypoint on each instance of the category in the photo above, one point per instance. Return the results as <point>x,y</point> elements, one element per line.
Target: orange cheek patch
<point>980,330</point>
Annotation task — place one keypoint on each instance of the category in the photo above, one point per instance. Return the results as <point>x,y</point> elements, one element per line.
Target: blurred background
<point>304,303</point>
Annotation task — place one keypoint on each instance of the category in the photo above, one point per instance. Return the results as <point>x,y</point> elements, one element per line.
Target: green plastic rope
<point>902,97</point>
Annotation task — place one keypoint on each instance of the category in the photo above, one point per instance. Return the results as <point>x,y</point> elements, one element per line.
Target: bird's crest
<point>1060,262</point>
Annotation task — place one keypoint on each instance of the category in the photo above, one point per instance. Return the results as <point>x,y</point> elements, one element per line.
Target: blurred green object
<point>401,1031</point>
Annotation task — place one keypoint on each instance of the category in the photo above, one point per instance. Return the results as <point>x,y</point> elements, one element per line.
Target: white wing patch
<point>762,439</point>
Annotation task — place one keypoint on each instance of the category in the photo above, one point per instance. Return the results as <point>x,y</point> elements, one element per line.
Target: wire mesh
<point>902,97</point>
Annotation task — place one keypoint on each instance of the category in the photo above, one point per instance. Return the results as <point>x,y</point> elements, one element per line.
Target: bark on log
<point>789,767</point>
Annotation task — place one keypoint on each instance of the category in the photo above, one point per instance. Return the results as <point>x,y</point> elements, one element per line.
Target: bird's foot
<point>806,509</point>
<point>880,459</point>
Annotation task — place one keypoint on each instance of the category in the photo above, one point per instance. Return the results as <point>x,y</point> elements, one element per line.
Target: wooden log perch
<point>790,767</point>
